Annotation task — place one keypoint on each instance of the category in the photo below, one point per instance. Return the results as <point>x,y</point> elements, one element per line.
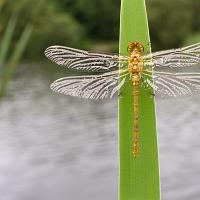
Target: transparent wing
<point>82,60</point>
<point>91,86</point>
<point>167,84</point>
<point>173,58</point>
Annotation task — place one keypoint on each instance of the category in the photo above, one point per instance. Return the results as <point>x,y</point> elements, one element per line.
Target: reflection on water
<point>57,147</point>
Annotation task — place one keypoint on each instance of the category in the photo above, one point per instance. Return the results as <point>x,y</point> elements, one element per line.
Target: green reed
<point>138,178</point>
<point>10,55</point>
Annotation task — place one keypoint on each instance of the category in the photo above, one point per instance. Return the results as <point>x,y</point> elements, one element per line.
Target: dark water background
<point>58,147</point>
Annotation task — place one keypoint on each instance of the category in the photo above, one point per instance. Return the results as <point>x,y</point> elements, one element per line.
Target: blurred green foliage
<point>81,23</point>
<point>54,27</point>
<point>99,18</point>
<point>172,23</point>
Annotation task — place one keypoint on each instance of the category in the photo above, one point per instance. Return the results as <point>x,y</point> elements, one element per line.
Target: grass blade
<point>139,178</point>
<point>21,46</point>
<point>15,58</point>
<point>6,40</point>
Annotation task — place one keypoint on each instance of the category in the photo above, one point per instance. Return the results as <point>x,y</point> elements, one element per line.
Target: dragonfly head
<point>136,47</point>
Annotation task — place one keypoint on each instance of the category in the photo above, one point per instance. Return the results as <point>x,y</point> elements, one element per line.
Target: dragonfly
<point>166,72</point>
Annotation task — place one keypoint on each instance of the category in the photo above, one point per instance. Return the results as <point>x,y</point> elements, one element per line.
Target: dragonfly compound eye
<point>135,46</point>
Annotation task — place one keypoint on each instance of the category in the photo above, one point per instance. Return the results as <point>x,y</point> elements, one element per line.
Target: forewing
<point>181,57</point>
<point>82,60</point>
<point>91,86</point>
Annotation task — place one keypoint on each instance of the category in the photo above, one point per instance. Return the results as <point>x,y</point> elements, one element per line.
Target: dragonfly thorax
<point>135,62</point>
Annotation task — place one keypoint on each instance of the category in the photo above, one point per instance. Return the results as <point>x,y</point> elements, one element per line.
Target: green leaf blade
<point>139,178</point>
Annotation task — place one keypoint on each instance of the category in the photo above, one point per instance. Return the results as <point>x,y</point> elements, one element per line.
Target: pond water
<point>58,147</point>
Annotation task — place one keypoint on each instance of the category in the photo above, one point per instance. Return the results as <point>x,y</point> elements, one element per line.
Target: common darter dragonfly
<point>166,72</point>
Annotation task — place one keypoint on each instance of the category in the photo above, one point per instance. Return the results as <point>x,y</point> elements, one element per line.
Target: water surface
<point>58,147</point>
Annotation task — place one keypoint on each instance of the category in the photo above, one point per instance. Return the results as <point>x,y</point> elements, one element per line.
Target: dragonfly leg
<point>120,94</point>
<point>149,44</point>
<point>152,94</point>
